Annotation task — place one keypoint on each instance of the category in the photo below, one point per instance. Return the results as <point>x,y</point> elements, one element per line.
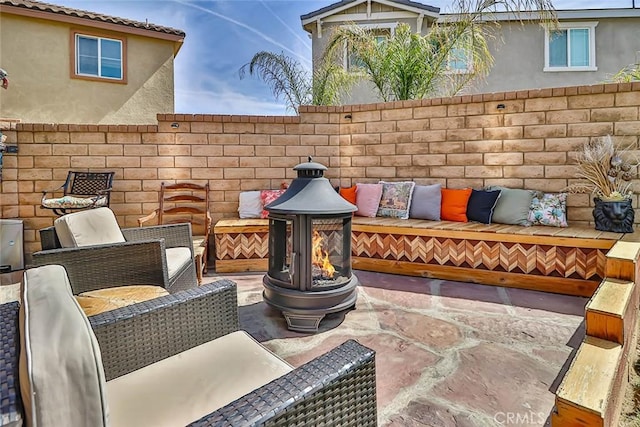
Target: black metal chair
<point>81,190</point>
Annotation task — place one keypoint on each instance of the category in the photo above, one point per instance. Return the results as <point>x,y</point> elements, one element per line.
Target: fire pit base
<point>304,310</point>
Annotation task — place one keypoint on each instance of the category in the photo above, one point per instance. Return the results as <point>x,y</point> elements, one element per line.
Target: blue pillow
<point>481,205</point>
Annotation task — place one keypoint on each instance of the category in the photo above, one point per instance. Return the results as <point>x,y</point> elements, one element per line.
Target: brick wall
<point>524,139</point>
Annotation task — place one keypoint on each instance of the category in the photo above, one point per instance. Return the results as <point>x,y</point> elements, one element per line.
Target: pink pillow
<point>368,199</point>
<point>268,196</point>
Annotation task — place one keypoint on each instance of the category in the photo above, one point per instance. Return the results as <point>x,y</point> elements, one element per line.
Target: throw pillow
<point>368,199</point>
<point>481,205</point>
<point>426,201</point>
<point>549,209</point>
<point>396,199</point>
<point>268,196</point>
<point>513,206</point>
<point>454,204</point>
<point>250,205</point>
<point>349,194</point>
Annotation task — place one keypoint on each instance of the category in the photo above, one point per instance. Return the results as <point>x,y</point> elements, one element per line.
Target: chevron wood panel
<point>232,246</point>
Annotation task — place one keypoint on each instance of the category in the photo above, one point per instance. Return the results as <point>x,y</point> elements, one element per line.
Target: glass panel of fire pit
<point>330,252</point>
<point>280,262</point>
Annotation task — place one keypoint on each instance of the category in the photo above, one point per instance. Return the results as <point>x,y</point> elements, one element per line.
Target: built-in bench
<point>561,260</point>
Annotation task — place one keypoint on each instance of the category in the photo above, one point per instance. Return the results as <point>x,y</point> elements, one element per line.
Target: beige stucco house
<point>587,47</point>
<point>73,66</point>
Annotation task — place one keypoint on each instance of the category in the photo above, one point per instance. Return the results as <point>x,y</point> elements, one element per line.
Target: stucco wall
<point>36,54</point>
<point>460,142</point>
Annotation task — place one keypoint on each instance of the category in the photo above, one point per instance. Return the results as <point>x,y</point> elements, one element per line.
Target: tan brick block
<point>238,150</point>
<point>285,140</point>
<point>87,137</point>
<point>446,147</point>
<point>140,150</point>
<point>20,162</point>
<point>299,151</point>
<point>239,173</point>
<point>523,145</point>
<point>51,162</point>
<point>25,137</point>
<point>33,150</point>
<point>546,185</point>
<point>506,132</point>
<point>231,127</point>
<point>326,151</point>
<point>282,162</point>
<point>464,159</point>
<point>465,183</point>
<point>447,123</point>
<point>589,129</point>
<point>546,131</point>
<point>123,138</point>
<point>158,138</point>
<point>123,162</point>
<point>430,112</point>
<point>140,173</point>
<point>28,187</point>
<point>353,172</point>
<point>568,116</point>
<point>9,187</point>
<point>527,171</point>
<point>53,137</point>
<point>184,173</point>
<point>296,129</point>
<point>328,129</point>
<point>141,197</point>
<point>484,146</point>
<point>395,160</point>
<point>564,144</point>
<point>464,134</point>
<point>254,162</point>
<point>446,171</point>
<point>87,162</point>
<point>380,150</point>
<point>366,138</point>
<point>379,127</point>
<point>412,148</point>
<point>177,150</point>
<point>614,114</point>
<point>380,172</point>
<point>485,121</point>
<point>547,104</point>
<point>277,151</point>
<point>575,215</point>
<point>578,200</point>
<point>251,139</point>
<point>206,127</point>
<point>365,161</point>
<point>507,107</point>
<point>483,171</point>
<point>254,184</point>
<point>503,158</point>
<point>551,158</point>
<point>190,162</point>
<point>520,119</point>
<point>412,125</point>
<point>429,159</point>
<point>627,128</point>
<point>412,172</point>
<point>135,185</point>
<point>157,162</point>
<point>628,98</point>
<point>504,182</point>
<point>429,135</point>
<point>191,138</point>
<point>352,150</point>
<point>559,171</point>
<point>105,150</point>
<point>271,173</point>
<point>68,150</point>
<point>314,117</point>
<point>198,150</point>
<point>311,140</point>
<point>223,162</point>
<point>397,114</point>
<point>464,109</point>
<point>396,137</point>
<point>223,139</point>
<point>591,101</point>
<point>276,128</point>
<point>365,116</point>
<point>350,128</point>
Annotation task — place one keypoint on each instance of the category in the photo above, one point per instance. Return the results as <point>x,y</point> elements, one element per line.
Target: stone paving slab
<point>448,353</point>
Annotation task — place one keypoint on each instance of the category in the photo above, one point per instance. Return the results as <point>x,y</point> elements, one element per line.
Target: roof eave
<point>319,14</point>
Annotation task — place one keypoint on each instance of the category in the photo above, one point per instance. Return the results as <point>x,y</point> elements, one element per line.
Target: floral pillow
<point>268,196</point>
<point>396,199</point>
<point>549,209</point>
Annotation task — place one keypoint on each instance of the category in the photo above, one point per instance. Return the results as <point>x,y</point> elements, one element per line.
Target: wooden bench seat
<point>562,260</point>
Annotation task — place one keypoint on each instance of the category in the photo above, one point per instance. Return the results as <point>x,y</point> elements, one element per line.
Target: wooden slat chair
<point>81,190</point>
<point>186,202</point>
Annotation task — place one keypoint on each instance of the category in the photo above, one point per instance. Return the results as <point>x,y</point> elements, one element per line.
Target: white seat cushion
<point>87,228</point>
<point>176,259</point>
<point>185,387</point>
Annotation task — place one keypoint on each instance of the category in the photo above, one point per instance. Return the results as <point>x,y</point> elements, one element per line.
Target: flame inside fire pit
<point>322,267</point>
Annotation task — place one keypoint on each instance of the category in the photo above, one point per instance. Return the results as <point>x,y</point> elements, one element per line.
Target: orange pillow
<point>349,194</point>
<point>454,204</point>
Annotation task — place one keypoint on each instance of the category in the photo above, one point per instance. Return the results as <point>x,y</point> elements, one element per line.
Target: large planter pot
<point>616,216</point>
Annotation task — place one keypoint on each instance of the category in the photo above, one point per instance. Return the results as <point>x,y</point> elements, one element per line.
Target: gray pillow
<point>425,202</point>
<point>513,206</point>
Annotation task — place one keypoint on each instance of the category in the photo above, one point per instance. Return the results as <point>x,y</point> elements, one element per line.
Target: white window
<point>381,33</point>
<point>98,57</point>
<point>459,61</point>
<point>570,47</point>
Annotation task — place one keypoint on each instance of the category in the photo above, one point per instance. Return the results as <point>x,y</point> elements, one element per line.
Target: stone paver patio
<point>448,353</point>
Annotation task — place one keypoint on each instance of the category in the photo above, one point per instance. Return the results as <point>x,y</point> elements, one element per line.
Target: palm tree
<point>407,65</point>
<point>290,81</point>
<point>630,73</point>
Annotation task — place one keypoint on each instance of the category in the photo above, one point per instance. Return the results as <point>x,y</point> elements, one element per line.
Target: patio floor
<point>447,353</point>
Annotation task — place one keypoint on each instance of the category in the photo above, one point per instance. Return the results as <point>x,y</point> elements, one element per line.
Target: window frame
<point>469,64</point>
<point>590,26</point>
<point>391,26</point>
<point>74,37</point>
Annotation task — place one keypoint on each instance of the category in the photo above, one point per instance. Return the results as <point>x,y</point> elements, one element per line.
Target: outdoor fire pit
<point>309,272</point>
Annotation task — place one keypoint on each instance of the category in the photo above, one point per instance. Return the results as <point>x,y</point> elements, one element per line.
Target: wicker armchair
<point>338,388</point>
<point>142,259</point>
<point>81,190</point>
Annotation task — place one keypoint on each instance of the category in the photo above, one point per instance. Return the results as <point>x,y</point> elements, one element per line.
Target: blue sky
<point>223,35</point>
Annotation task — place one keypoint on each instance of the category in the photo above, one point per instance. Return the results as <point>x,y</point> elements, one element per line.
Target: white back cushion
<point>61,375</point>
<point>86,228</point>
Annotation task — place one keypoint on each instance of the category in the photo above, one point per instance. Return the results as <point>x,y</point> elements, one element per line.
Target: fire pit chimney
<point>309,272</point>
